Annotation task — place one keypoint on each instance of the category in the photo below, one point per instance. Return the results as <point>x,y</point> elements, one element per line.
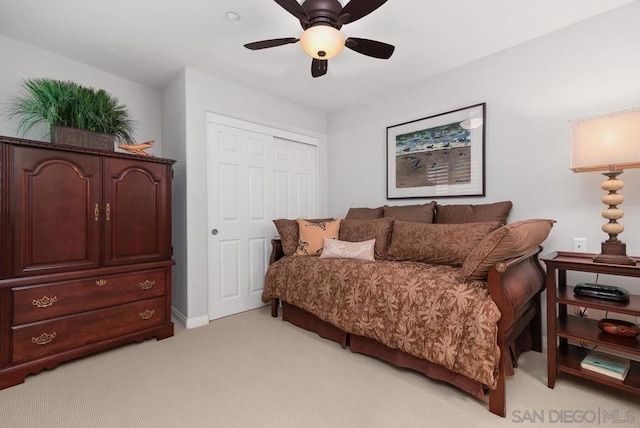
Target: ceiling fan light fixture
<point>322,41</point>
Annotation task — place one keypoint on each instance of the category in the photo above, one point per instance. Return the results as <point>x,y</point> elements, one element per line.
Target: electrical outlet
<point>580,245</point>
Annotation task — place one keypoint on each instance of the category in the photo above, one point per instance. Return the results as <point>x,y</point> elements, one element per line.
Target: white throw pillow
<point>333,248</point>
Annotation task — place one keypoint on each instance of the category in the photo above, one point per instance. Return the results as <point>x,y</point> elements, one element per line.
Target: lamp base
<point>614,253</point>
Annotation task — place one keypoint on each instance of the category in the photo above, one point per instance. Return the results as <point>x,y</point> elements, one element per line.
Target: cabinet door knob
<point>214,232</point>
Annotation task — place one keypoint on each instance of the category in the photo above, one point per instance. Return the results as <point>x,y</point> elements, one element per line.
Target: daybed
<point>451,291</point>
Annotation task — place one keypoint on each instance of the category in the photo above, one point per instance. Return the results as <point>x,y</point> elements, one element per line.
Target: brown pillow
<point>448,244</point>
<point>311,242</point>
<point>364,230</point>
<point>415,213</point>
<point>509,241</point>
<point>288,231</point>
<point>498,211</point>
<point>364,213</point>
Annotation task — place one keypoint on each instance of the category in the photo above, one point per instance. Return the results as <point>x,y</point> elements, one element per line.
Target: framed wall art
<point>438,156</point>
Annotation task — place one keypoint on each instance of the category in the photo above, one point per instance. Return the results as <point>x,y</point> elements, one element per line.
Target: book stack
<point>606,364</point>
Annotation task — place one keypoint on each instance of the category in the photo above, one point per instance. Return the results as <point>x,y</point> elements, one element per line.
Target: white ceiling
<point>148,41</point>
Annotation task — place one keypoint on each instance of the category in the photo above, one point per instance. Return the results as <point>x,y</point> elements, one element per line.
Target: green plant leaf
<point>66,103</point>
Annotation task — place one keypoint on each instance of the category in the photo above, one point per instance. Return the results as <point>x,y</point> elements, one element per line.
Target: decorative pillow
<point>310,242</point>
<point>288,231</point>
<point>448,244</point>
<point>364,213</point>
<point>332,248</point>
<point>509,241</point>
<point>363,230</point>
<point>498,211</point>
<point>415,213</point>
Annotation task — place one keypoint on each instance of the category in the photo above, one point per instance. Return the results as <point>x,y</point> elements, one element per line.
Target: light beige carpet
<point>251,370</point>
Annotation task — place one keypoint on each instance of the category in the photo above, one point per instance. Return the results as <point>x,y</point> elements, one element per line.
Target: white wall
<point>204,93</point>
<point>531,91</point>
<point>23,61</point>
<point>174,119</point>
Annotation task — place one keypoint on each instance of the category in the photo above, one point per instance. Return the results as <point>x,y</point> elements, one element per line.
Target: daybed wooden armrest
<point>512,284</point>
<point>277,252</point>
<point>515,285</point>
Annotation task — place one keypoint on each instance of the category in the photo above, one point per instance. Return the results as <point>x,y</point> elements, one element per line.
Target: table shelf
<point>586,330</point>
<point>566,296</point>
<point>563,356</point>
<point>570,356</point>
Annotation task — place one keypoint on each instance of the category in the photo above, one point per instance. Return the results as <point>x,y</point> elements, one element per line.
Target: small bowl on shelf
<point>137,149</point>
<point>620,328</point>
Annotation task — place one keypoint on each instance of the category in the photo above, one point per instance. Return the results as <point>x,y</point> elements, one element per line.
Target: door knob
<point>214,232</point>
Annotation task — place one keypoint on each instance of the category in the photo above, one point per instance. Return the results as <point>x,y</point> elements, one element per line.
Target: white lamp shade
<point>322,41</point>
<point>609,142</point>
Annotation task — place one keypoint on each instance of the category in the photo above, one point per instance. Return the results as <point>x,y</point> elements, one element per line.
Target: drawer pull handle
<point>147,314</point>
<point>101,282</point>
<point>45,302</point>
<point>44,338</point>
<point>96,213</point>
<point>147,284</point>
<point>108,211</point>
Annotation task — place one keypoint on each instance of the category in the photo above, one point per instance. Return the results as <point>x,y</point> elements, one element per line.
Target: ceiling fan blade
<point>360,8</point>
<point>370,47</point>
<point>319,67</point>
<point>294,8</point>
<point>263,44</point>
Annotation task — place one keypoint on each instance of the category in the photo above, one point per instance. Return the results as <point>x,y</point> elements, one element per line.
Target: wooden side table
<point>562,327</point>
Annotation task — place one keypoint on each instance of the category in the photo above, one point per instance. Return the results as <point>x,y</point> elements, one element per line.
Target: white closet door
<point>295,179</point>
<point>252,178</point>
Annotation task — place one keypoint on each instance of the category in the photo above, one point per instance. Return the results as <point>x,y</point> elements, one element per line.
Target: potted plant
<point>67,107</point>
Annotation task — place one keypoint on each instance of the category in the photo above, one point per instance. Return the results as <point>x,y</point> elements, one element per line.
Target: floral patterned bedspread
<point>428,311</point>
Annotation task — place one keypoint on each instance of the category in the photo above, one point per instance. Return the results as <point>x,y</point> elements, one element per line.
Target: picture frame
<point>438,156</point>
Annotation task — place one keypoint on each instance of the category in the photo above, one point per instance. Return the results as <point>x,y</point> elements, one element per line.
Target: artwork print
<point>438,156</point>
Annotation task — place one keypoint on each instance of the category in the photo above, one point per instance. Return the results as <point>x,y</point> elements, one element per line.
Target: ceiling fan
<point>322,39</point>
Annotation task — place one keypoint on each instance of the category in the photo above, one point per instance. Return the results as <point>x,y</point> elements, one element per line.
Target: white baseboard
<point>197,321</point>
<point>178,317</point>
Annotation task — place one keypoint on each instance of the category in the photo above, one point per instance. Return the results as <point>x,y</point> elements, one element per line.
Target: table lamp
<point>608,143</point>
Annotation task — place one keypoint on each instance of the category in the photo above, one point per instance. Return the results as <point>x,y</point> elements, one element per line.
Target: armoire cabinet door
<point>137,199</point>
<point>56,202</point>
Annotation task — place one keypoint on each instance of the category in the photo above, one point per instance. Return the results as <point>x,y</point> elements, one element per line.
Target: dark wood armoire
<point>85,253</point>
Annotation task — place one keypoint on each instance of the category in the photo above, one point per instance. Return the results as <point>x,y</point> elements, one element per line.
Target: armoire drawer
<point>36,340</point>
<point>41,302</point>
